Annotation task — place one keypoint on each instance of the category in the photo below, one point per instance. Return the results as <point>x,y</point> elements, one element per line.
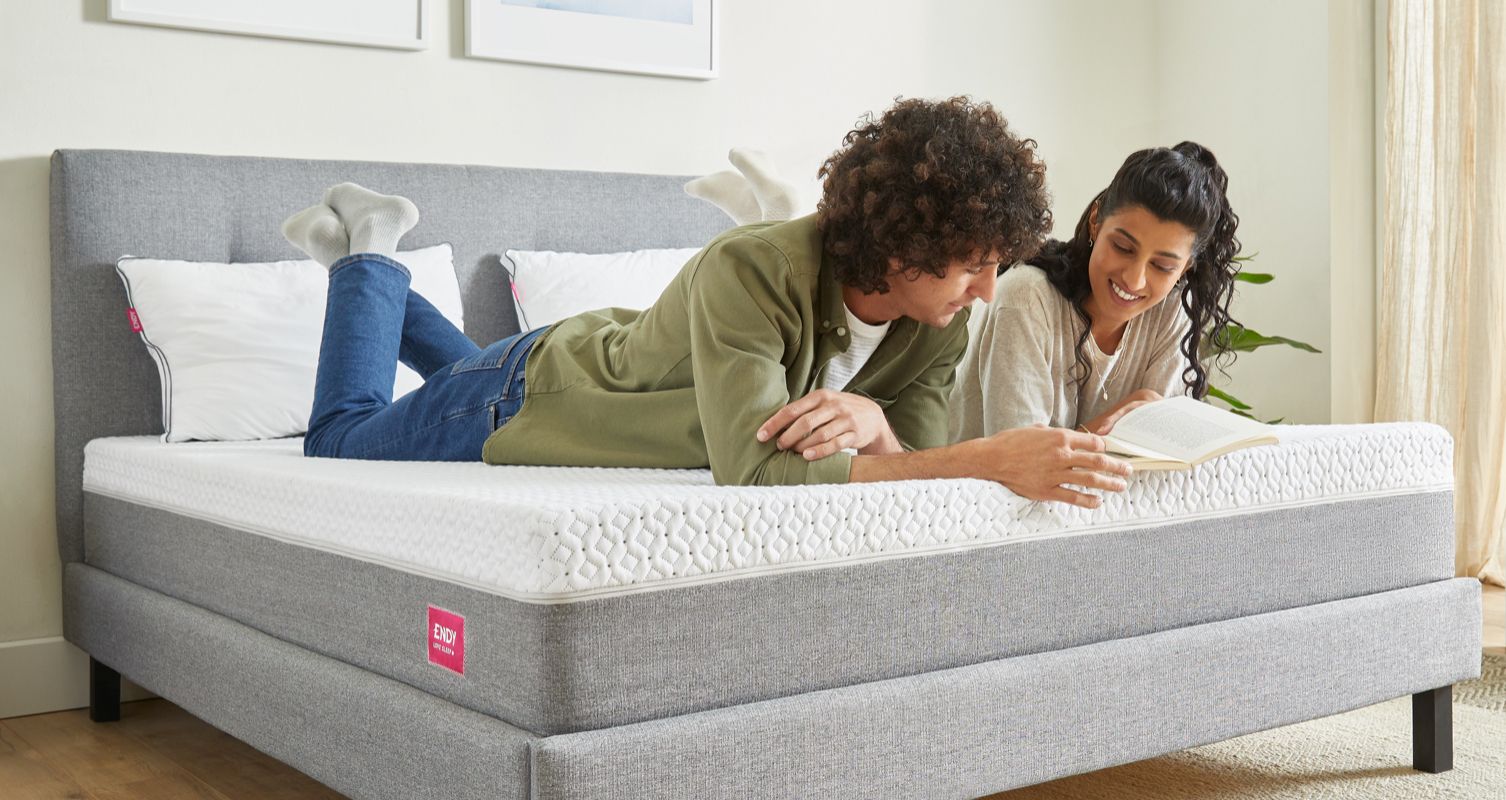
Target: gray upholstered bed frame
<point>958,732</point>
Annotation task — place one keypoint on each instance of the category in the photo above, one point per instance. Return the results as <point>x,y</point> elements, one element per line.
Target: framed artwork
<point>401,24</point>
<point>677,38</point>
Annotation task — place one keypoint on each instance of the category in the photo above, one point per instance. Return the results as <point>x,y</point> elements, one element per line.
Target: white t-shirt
<point>865,339</point>
<point>1020,368</point>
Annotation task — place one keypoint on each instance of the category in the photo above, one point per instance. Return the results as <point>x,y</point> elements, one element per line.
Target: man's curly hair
<point>930,183</point>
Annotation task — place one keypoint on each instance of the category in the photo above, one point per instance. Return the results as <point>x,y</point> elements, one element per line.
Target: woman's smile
<point>1124,297</point>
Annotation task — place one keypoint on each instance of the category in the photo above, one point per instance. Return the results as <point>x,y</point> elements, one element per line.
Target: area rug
<point>1363,755</point>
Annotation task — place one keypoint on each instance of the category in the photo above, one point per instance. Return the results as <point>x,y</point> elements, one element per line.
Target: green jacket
<point>746,327</point>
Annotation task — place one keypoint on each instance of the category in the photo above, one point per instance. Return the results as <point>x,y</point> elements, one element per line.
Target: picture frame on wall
<point>398,24</point>
<point>675,38</point>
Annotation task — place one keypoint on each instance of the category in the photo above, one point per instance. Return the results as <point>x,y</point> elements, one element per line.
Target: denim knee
<point>318,441</point>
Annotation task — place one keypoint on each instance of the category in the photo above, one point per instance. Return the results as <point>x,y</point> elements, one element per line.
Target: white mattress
<point>556,534</point>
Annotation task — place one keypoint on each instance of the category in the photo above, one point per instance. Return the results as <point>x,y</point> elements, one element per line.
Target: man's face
<point>933,301</point>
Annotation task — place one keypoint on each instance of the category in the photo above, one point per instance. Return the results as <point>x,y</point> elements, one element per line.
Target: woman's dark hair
<point>930,183</point>
<point>1182,184</point>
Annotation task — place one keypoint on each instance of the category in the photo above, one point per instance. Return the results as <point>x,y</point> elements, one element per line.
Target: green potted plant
<point>1240,339</point>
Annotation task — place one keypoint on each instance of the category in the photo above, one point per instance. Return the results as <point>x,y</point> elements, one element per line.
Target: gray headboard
<point>109,203</point>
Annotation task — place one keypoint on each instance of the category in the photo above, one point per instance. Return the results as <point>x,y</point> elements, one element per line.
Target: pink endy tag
<point>135,320</point>
<point>447,639</point>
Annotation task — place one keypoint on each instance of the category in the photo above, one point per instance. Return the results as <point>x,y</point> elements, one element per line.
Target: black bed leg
<point>104,693</point>
<point>1433,730</point>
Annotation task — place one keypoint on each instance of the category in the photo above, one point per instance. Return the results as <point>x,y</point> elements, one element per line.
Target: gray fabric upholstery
<point>364,735</point>
<point>611,661</point>
<point>985,728</point>
<point>110,203</point>
<point>954,733</point>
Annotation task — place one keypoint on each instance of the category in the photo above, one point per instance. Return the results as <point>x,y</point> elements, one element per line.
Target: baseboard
<point>42,675</point>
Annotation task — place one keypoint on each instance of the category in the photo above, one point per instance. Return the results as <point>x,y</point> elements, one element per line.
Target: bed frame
<point>960,732</point>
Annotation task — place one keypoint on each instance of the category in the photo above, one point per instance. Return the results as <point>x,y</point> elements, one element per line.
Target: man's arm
<point>739,328</point>
<point>1032,462</point>
<point>826,421</point>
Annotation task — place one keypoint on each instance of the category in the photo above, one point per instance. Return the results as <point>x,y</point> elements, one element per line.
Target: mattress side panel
<point>365,614</point>
<point>616,660</point>
<point>736,642</point>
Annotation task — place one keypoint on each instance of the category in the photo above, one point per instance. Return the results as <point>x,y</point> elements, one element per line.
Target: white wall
<point>1356,78</point>
<point>1090,79</point>
<point>1250,81</point>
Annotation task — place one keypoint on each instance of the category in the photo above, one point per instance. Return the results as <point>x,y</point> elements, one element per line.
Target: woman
<point>1114,317</point>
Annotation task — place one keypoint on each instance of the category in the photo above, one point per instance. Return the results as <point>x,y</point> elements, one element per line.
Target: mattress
<point>596,597</point>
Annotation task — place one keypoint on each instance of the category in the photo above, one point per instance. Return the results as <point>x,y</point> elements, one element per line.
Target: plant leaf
<point>1239,339</point>
<point>1243,340</point>
<point>1234,402</point>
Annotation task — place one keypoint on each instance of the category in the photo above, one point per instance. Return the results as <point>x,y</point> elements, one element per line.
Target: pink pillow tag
<point>135,320</point>
<point>447,639</point>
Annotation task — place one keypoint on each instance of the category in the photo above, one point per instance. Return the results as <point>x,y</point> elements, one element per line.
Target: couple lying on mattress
<point>822,349</point>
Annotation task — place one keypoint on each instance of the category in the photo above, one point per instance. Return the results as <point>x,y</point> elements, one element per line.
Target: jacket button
<point>841,331</point>
<point>825,324</point>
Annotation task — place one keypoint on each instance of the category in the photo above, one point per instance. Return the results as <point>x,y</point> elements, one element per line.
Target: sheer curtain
<point>1441,350</point>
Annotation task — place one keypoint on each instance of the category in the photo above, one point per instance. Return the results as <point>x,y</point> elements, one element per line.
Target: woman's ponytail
<point>1209,284</point>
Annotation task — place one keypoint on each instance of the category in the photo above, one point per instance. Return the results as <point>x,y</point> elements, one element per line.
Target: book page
<point>1186,429</point>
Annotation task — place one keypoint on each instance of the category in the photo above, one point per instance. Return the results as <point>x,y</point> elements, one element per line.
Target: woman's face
<point>1137,259</point>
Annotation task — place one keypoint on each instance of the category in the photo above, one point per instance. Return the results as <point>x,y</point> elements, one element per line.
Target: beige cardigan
<point>1020,370</point>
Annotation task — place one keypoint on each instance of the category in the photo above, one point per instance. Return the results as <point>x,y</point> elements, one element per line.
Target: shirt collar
<point>833,313</point>
<point>830,307</point>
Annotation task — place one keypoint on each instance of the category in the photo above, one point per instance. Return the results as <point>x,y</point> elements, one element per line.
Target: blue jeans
<point>372,320</point>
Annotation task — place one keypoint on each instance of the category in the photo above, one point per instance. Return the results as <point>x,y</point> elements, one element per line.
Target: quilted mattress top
<point>561,534</point>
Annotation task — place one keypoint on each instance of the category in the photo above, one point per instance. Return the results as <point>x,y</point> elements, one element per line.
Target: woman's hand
<point>824,422</point>
<point>1104,423</point>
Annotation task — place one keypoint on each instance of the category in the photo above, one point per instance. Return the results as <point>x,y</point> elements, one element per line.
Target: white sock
<point>730,192</point>
<point>317,231</point>
<point>776,196</point>
<point>375,222</point>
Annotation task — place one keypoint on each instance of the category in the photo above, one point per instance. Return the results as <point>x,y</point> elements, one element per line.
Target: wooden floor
<point>159,752</point>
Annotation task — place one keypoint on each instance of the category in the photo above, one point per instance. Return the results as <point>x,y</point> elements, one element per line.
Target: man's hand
<point>1037,462</point>
<point>824,422</point>
<point>1104,423</point>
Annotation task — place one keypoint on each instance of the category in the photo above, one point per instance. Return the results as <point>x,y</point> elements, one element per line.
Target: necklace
<point>1103,385</point>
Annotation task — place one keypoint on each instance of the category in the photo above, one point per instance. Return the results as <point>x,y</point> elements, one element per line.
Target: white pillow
<point>237,345</point>
<point>548,286</point>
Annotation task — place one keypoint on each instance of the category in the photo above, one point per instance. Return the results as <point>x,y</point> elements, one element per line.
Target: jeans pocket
<point>493,356</point>
<point>504,410</point>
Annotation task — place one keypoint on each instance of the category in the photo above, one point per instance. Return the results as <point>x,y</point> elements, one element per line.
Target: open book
<point>1180,433</point>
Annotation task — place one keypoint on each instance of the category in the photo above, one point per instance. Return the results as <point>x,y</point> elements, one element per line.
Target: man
<point>777,348</point>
